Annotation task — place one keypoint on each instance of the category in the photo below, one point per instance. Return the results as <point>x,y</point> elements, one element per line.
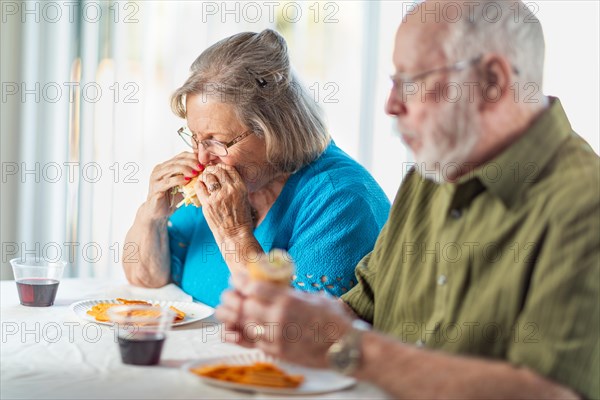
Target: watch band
<point>345,355</point>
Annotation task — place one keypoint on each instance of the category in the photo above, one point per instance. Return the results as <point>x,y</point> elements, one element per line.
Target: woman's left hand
<point>225,204</point>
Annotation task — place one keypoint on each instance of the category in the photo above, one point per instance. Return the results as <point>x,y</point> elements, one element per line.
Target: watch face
<point>344,356</point>
<point>343,359</point>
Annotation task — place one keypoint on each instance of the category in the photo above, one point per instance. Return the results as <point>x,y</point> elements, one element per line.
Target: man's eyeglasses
<point>214,147</point>
<point>400,80</point>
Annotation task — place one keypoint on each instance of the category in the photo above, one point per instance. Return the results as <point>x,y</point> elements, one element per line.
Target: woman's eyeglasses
<point>214,147</point>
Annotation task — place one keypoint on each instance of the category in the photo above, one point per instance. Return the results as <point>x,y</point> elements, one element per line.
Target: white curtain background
<point>85,101</point>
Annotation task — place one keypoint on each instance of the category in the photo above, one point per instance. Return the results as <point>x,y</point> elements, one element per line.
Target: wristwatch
<point>345,355</point>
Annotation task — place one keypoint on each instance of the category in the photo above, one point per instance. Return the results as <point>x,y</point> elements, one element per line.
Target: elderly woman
<point>269,177</point>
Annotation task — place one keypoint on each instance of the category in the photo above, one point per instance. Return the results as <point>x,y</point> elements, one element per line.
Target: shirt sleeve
<point>180,228</point>
<point>557,331</point>
<point>361,298</point>
<point>329,239</point>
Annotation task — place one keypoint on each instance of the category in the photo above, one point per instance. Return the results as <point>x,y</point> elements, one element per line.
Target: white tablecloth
<point>49,352</point>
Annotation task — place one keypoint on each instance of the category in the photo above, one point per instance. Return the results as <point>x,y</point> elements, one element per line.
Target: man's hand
<point>283,322</point>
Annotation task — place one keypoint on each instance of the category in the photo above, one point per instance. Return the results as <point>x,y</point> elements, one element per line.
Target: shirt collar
<point>518,166</point>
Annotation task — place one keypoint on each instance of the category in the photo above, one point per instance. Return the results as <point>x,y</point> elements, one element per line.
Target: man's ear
<point>495,80</point>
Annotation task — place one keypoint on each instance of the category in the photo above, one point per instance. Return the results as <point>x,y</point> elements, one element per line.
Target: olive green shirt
<point>504,264</point>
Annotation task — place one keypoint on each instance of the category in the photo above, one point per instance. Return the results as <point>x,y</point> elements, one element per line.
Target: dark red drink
<point>37,292</point>
<point>142,349</point>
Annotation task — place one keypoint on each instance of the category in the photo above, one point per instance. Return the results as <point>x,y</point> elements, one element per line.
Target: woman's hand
<point>177,171</point>
<point>225,204</point>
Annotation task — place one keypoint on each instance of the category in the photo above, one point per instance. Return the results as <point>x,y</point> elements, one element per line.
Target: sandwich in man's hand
<point>277,267</point>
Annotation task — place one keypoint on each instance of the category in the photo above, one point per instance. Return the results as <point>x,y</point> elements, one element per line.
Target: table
<point>49,352</point>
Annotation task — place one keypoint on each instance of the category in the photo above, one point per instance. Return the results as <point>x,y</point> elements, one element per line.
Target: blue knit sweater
<point>327,217</point>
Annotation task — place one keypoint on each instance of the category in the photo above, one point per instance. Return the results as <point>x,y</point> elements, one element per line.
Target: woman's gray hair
<point>504,27</point>
<point>251,71</point>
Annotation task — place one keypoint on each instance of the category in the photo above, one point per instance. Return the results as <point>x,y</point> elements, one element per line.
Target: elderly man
<point>485,280</point>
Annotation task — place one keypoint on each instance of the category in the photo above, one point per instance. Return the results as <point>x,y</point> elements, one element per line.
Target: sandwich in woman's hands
<point>188,192</point>
<point>277,266</point>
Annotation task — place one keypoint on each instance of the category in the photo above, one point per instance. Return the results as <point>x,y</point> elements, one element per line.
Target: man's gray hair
<point>508,28</point>
<point>252,72</point>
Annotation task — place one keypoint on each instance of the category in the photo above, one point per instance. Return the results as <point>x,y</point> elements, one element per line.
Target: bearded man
<point>484,283</point>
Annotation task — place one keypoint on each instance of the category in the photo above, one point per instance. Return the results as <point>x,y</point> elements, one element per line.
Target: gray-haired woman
<point>271,178</point>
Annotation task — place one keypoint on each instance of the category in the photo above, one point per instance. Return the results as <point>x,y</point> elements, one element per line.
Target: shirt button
<point>420,343</point>
<point>441,280</point>
<point>455,213</point>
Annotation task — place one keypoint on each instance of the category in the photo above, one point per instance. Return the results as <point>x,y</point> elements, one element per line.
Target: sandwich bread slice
<point>189,194</point>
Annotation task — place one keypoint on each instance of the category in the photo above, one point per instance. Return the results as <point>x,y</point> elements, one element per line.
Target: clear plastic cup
<point>37,280</point>
<point>141,332</point>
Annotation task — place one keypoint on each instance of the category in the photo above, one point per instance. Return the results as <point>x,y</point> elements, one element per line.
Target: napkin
<point>170,292</point>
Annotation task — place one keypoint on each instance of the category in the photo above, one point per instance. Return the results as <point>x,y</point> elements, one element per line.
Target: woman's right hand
<point>177,171</point>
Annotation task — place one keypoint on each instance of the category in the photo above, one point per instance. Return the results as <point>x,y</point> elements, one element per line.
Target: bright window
<point>136,53</point>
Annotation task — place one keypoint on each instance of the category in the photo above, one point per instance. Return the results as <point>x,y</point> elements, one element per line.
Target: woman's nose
<point>204,157</point>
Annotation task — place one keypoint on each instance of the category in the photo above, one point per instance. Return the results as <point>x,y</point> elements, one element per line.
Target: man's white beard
<point>451,137</point>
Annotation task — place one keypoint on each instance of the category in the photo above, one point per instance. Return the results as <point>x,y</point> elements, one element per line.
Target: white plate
<point>193,311</point>
<point>315,380</point>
